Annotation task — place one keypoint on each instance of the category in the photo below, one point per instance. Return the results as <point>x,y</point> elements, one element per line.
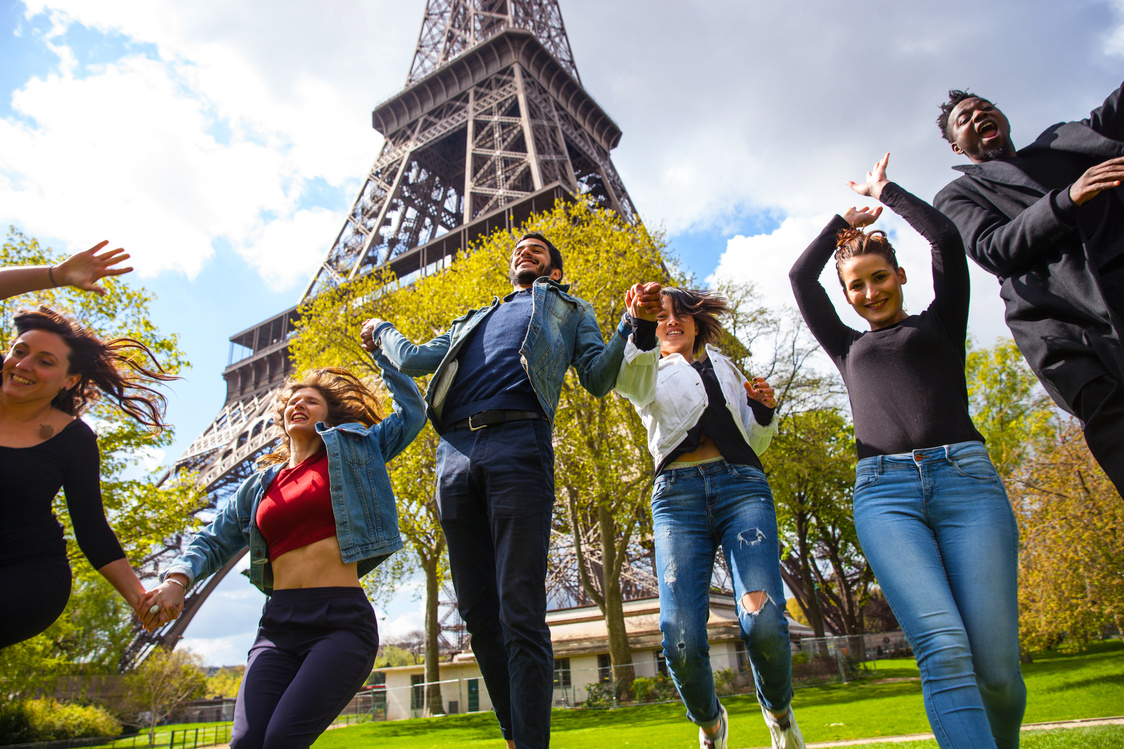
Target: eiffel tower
<point>492,125</point>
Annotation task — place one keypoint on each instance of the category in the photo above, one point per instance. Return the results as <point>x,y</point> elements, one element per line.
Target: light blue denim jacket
<point>362,500</point>
<point>563,331</point>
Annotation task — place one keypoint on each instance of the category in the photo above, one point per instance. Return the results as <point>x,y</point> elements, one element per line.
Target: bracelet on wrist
<point>51,275</point>
<point>176,581</point>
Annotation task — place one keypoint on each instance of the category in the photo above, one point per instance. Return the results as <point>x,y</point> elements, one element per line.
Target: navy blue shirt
<point>490,374</point>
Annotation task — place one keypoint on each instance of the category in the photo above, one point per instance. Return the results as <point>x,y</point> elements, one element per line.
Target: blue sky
<point>222,143</point>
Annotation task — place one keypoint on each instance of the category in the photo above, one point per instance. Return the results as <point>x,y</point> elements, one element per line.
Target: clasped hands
<point>160,605</point>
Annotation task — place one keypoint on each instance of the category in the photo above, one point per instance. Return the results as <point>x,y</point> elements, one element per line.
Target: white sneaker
<point>784,731</point>
<point>718,740</point>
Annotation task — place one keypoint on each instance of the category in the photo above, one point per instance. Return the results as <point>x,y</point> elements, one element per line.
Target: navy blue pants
<point>315,648</point>
<point>495,497</point>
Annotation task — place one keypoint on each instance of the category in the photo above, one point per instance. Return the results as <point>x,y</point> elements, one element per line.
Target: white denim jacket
<point>670,397</point>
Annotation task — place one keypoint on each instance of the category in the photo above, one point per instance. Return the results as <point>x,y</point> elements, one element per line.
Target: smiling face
<point>874,288</point>
<point>676,331</point>
<point>37,367</point>
<point>531,260</point>
<point>980,131</point>
<point>304,408</point>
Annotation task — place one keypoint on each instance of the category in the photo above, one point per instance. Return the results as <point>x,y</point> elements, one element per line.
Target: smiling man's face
<point>980,131</point>
<point>530,260</point>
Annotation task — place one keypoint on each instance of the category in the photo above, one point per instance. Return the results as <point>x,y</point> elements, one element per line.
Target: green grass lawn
<point>1090,685</point>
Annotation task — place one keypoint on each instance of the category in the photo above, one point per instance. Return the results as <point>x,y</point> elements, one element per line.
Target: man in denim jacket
<point>498,373</point>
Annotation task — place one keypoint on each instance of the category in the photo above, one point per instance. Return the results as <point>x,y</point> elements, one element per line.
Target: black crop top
<point>30,477</point>
<point>905,381</point>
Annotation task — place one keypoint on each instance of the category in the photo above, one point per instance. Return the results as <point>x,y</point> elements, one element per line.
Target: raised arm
<point>407,356</point>
<point>811,298</point>
<point>82,270</point>
<point>1108,118</point>
<point>399,428</point>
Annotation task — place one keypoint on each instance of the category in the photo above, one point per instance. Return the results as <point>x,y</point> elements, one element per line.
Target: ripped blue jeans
<point>694,511</point>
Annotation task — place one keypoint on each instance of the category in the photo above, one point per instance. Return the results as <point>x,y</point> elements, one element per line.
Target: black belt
<point>492,418</point>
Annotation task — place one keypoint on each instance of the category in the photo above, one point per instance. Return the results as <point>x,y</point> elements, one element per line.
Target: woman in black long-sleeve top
<point>931,513</point>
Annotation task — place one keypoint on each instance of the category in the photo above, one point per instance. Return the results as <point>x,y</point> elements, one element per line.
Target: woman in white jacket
<point>706,426</point>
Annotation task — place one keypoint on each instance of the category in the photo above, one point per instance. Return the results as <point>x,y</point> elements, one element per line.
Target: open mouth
<point>21,380</point>
<point>987,129</point>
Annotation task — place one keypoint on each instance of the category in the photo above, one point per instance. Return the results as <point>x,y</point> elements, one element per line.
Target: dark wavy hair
<point>853,242</point>
<point>702,306</point>
<point>348,399</point>
<point>955,96</point>
<point>118,368</point>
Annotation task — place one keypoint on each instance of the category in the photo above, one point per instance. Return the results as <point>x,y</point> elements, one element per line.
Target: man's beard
<point>526,276</point>
<point>991,153</point>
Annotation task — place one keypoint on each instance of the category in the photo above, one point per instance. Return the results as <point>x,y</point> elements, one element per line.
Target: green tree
<point>163,683</point>
<point>225,682</point>
<point>1008,406</point>
<point>145,514</point>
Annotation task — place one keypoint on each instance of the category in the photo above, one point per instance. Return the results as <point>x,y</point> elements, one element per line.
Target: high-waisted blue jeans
<point>939,533</point>
<point>694,511</point>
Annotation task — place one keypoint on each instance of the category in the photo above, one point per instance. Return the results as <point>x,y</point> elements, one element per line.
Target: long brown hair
<point>853,242</point>
<point>348,399</point>
<point>703,307</point>
<point>117,368</point>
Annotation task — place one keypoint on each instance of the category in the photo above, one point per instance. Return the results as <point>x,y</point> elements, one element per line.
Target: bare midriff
<point>318,565</point>
<point>706,450</point>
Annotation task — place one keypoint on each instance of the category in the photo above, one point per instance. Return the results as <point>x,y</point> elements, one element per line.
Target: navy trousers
<point>315,648</point>
<point>495,497</point>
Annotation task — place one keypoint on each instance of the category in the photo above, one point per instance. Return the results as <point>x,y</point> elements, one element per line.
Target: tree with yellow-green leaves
<point>97,625</point>
<point>602,469</point>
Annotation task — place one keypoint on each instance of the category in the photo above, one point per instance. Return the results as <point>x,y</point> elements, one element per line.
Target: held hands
<point>643,301</point>
<point>84,269</point>
<point>875,180</point>
<point>166,599</point>
<point>759,390</point>
<point>1103,176</point>
<point>367,335</point>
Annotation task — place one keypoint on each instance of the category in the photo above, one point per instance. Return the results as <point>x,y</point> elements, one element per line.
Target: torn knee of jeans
<point>752,603</point>
<point>750,537</point>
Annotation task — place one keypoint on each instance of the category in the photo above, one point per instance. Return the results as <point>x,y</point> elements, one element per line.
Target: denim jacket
<point>670,397</point>
<point>563,331</point>
<point>362,500</point>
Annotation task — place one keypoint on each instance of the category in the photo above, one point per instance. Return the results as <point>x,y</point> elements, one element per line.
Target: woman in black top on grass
<point>930,511</point>
<point>53,370</point>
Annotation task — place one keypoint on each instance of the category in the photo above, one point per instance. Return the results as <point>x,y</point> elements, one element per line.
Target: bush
<point>48,719</point>
<point>725,682</point>
<point>598,695</point>
<point>656,689</point>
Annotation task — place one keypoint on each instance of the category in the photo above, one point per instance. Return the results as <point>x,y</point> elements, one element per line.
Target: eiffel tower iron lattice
<point>493,124</point>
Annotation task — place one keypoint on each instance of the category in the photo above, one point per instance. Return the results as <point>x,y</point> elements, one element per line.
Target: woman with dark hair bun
<point>54,369</point>
<point>706,425</point>
<point>317,518</point>
<point>930,510</point>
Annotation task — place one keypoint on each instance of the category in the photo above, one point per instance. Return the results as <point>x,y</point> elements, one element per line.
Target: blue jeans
<point>694,511</point>
<point>939,533</point>
<point>495,498</point>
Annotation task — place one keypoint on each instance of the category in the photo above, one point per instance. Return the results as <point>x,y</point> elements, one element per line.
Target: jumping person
<point>54,369</point>
<point>1048,220</point>
<point>317,520</point>
<point>931,513</point>
<point>706,425</point>
<point>498,376</point>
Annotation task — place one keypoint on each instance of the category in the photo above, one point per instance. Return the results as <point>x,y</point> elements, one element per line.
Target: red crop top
<point>297,509</point>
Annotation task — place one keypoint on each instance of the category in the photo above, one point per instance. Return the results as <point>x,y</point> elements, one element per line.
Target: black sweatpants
<point>35,591</point>
<point>1100,406</point>
<point>315,648</point>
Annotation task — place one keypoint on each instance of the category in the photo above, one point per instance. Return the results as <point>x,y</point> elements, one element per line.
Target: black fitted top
<point>30,477</point>
<point>906,381</point>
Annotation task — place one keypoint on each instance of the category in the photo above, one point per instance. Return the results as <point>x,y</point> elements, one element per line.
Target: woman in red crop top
<point>316,520</point>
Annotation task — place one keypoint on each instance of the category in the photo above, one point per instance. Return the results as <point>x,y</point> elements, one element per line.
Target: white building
<point>581,658</point>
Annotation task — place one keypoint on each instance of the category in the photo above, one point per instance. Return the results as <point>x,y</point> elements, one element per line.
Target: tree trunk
<point>812,609</point>
<point>432,632</point>
<point>620,655</point>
